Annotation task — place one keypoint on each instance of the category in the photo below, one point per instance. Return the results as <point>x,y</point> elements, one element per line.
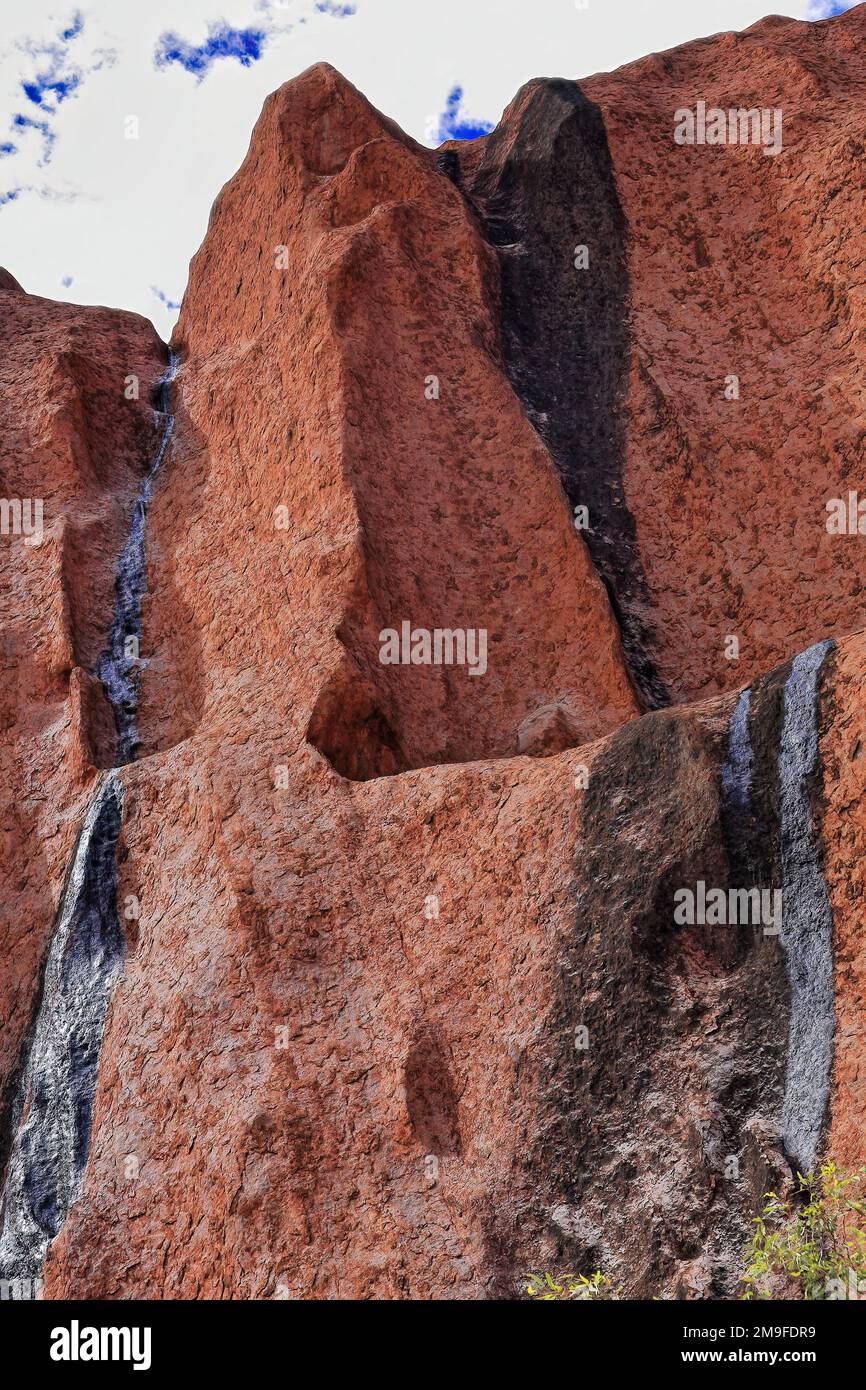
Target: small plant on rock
<point>547,1288</point>
<point>813,1242</point>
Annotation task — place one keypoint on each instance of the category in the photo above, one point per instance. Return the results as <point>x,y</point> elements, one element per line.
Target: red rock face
<point>735,271</point>
<point>72,447</point>
<point>705,263</point>
<point>406,1009</point>
<point>389,440</point>
<point>842,833</point>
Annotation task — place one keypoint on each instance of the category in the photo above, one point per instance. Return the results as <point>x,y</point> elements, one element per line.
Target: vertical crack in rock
<point>52,1109</point>
<point>118,667</point>
<point>737,779</point>
<point>807,933</point>
<point>544,187</point>
<point>750,859</point>
<point>51,1114</point>
<point>737,769</point>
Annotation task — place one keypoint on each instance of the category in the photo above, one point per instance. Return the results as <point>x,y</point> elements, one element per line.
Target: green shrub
<point>810,1244</point>
<point>546,1288</point>
<point>814,1240</point>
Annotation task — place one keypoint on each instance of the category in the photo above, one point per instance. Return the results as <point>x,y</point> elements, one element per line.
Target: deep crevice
<point>118,667</point>
<point>51,1113</point>
<point>545,185</point>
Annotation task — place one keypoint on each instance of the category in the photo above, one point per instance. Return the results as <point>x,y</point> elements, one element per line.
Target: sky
<point>120,120</point>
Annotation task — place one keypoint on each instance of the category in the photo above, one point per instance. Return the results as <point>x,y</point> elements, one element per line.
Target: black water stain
<point>52,1111</point>
<point>118,667</point>
<point>680,1068</point>
<point>544,186</point>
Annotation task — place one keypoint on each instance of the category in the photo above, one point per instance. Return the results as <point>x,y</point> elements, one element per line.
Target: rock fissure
<point>52,1108</point>
<point>118,667</point>
<point>431,1022</point>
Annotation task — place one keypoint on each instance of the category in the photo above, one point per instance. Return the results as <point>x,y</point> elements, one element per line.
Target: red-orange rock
<point>406,1010</point>
<point>843,825</point>
<point>706,263</point>
<point>74,441</point>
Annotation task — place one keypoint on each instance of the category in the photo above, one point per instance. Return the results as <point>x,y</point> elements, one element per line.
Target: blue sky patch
<point>244,45</point>
<point>827,9</point>
<point>47,85</point>
<point>73,28</point>
<point>43,191</point>
<point>56,77</point>
<point>332,7</point>
<point>163,298</point>
<point>455,124</point>
<point>49,138</point>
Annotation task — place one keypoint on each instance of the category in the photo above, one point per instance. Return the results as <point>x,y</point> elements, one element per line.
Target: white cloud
<point>120,217</point>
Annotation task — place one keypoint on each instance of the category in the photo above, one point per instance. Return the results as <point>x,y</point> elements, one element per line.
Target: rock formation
<point>404,1006</point>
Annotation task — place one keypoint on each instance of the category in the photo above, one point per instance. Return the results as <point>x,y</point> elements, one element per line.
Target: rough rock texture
<point>843,746</point>
<point>72,440</point>
<point>304,388</point>
<point>52,1115</point>
<point>405,1007</point>
<point>705,262</point>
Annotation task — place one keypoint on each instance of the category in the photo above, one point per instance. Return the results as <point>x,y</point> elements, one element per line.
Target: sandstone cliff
<point>404,1009</point>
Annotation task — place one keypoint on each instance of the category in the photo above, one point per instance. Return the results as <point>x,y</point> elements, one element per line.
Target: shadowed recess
<point>349,729</point>
<point>431,1100</point>
<point>656,1024</point>
<point>118,666</point>
<point>544,187</point>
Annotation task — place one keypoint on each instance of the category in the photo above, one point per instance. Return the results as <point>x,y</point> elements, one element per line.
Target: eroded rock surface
<point>78,428</point>
<point>406,1006</point>
<point>706,263</point>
